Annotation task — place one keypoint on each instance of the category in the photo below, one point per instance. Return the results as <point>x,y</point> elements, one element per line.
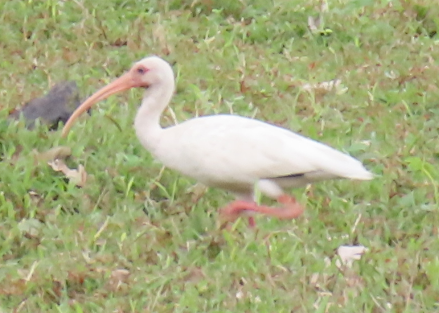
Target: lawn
<point>141,238</point>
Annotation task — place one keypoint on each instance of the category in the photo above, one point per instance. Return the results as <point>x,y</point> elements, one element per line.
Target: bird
<point>235,153</point>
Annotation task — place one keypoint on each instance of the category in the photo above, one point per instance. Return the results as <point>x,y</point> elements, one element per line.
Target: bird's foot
<point>291,209</point>
<point>236,209</point>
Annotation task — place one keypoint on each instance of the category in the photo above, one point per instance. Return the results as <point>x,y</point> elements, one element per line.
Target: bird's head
<point>145,73</point>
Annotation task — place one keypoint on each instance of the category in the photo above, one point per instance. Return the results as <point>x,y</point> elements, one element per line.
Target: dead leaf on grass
<point>348,254</point>
<point>60,153</point>
<point>323,87</point>
<point>118,279</point>
<point>194,274</point>
<point>120,275</point>
<point>76,176</point>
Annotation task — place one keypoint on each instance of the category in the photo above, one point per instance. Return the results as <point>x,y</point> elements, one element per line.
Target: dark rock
<point>55,107</point>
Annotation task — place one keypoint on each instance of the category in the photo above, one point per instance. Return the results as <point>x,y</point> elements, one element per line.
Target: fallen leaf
<point>334,84</point>
<point>76,278</point>
<point>78,176</point>
<point>194,275</point>
<point>118,280</point>
<point>348,254</point>
<point>60,152</point>
<point>120,275</point>
<point>243,88</point>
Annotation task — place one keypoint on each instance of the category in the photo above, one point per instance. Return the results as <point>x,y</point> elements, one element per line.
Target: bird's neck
<point>147,121</point>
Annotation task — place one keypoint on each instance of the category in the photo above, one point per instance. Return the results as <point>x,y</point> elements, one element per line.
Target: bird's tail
<point>364,174</point>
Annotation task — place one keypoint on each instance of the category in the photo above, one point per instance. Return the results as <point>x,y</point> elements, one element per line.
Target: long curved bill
<point>123,83</point>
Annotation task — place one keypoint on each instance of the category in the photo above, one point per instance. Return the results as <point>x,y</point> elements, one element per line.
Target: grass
<point>140,238</point>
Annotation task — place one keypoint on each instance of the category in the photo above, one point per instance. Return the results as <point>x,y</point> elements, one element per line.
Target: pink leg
<point>290,210</point>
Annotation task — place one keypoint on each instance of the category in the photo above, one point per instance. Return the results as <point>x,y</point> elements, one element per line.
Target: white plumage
<point>227,151</point>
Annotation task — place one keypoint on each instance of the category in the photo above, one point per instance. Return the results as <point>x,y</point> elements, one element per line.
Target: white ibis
<point>235,153</point>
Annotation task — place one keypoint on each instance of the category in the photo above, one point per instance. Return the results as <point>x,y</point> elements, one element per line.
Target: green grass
<point>67,249</point>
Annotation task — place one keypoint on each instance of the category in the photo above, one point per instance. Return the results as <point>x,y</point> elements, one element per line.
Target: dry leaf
<point>194,275</point>
<point>120,275</point>
<point>78,177</point>
<point>334,84</point>
<point>348,254</point>
<point>60,152</point>
<point>118,280</point>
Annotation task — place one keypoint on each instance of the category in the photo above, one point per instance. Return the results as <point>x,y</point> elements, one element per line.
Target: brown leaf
<point>194,275</point>
<point>118,279</point>
<point>243,87</point>
<point>78,176</point>
<point>76,278</point>
<point>60,152</point>
<point>120,275</point>
<point>120,42</point>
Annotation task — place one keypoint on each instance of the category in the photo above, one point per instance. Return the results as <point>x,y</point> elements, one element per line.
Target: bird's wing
<point>232,146</point>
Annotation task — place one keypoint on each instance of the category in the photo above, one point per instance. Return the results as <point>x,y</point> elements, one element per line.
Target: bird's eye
<point>141,70</point>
